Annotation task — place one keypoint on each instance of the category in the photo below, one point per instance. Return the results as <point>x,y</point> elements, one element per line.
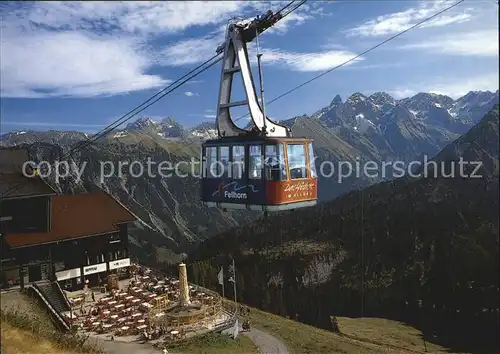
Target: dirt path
<point>267,343</point>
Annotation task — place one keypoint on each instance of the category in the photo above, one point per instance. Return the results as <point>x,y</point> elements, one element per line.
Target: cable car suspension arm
<point>238,34</point>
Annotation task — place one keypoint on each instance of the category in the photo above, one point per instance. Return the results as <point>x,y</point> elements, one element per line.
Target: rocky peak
<point>398,113</point>
<point>433,99</point>
<point>205,130</point>
<point>474,105</point>
<point>477,98</point>
<point>169,122</point>
<point>382,98</point>
<point>337,100</point>
<point>356,98</point>
<point>141,124</point>
<point>357,104</point>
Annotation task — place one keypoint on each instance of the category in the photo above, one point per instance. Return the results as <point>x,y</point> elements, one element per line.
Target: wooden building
<point>71,238</point>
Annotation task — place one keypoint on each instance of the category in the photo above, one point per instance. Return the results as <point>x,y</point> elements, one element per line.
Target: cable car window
<point>203,167</point>
<point>312,163</point>
<point>255,162</point>
<point>296,161</point>
<point>211,162</point>
<point>224,159</point>
<point>271,163</point>
<point>274,163</point>
<point>238,162</point>
<point>282,162</point>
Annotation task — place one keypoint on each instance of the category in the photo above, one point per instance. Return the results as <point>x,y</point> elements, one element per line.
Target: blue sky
<point>80,65</point>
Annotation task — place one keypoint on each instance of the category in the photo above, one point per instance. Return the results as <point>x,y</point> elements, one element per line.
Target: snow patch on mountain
<point>363,124</point>
<point>120,134</point>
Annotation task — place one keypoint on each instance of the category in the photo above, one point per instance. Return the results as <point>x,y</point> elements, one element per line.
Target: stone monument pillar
<point>183,286</point>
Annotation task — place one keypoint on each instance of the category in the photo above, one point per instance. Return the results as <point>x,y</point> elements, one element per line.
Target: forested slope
<point>423,250</point>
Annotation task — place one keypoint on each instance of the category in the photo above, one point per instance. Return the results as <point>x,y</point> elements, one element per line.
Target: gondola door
<point>233,175</point>
<point>254,185</point>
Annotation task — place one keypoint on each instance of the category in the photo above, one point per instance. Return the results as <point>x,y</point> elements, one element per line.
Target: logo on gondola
<point>299,190</point>
<point>225,190</point>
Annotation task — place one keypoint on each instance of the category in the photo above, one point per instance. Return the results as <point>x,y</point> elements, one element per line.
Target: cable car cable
<point>124,118</point>
<point>288,5</point>
<point>349,60</point>
<point>88,142</point>
<point>346,62</point>
<point>106,130</point>
<point>361,54</point>
<point>119,120</point>
<point>293,9</point>
<point>162,94</point>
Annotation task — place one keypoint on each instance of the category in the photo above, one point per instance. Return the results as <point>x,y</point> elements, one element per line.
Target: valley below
<point>363,129</point>
<point>423,251</point>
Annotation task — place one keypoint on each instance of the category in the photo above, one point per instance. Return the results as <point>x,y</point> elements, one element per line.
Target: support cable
<point>159,95</point>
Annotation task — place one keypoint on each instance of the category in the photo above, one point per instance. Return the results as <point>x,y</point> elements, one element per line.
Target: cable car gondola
<point>264,168</point>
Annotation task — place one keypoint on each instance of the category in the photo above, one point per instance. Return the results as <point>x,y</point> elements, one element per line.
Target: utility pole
<point>221,280</point>
<point>234,285</point>
<point>232,278</point>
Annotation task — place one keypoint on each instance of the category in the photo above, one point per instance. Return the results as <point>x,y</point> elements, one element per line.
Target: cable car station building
<point>68,238</point>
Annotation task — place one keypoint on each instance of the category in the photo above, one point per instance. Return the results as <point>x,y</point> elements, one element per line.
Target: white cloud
<point>94,48</point>
<point>454,88</point>
<point>318,61</point>
<point>197,50</point>
<point>131,16</point>
<point>477,43</point>
<point>190,51</point>
<point>295,18</point>
<point>209,116</point>
<point>146,17</point>
<point>400,21</point>
<point>190,94</point>
<point>445,20</point>
<point>399,93</point>
<point>59,64</point>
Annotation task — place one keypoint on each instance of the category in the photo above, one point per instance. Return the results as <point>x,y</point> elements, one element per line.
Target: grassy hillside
<point>391,334</point>
<point>17,341</point>
<point>361,335</point>
<point>214,344</point>
<point>25,330</point>
<point>28,329</point>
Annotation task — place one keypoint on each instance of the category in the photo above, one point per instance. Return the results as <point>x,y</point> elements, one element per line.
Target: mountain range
<point>422,250</point>
<point>363,128</point>
<point>438,116</point>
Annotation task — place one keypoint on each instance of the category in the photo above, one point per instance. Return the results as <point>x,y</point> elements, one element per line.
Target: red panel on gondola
<point>282,192</point>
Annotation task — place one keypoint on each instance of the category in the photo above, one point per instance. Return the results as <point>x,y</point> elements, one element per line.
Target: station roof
<point>77,216</point>
<point>13,183</point>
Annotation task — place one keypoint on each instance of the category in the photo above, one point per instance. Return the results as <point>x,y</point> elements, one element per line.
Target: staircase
<point>54,298</point>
